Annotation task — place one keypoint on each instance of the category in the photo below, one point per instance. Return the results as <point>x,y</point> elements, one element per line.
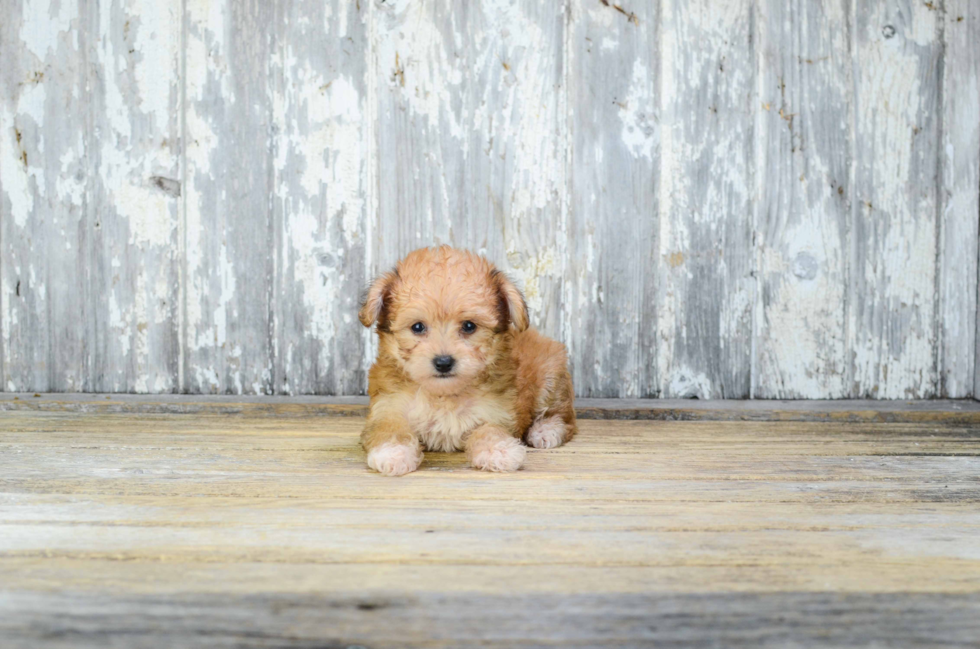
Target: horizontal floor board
<point>514,621</point>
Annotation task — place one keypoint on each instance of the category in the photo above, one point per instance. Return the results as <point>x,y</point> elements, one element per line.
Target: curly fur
<point>509,383</point>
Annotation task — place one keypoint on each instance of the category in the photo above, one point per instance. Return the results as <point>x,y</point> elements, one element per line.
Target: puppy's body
<point>458,369</point>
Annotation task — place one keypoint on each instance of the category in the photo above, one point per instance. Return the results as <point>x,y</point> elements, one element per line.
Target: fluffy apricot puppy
<point>458,369</point>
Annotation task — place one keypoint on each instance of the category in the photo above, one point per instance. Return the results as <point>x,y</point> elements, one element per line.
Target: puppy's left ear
<point>512,301</point>
<point>375,298</point>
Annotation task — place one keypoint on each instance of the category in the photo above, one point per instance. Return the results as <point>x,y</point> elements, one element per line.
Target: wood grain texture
<point>335,622</point>
<point>959,198</point>
<point>229,229</point>
<point>612,253</point>
<point>321,174</point>
<point>134,259</point>
<point>706,288</point>
<point>892,316</point>
<point>804,159</point>
<point>204,529</point>
<point>48,189</point>
<point>502,622</point>
<point>470,139</point>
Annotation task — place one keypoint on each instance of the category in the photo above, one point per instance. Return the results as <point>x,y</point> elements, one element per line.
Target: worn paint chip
<point>166,185</point>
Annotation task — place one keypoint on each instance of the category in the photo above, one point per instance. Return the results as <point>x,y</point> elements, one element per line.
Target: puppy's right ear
<point>376,297</point>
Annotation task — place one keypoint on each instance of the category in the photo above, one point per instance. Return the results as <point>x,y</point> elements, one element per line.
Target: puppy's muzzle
<point>444,364</point>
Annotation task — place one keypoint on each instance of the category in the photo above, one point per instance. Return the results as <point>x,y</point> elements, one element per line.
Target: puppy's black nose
<point>444,363</point>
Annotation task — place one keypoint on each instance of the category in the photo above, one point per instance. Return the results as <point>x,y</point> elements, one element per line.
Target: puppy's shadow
<point>433,461</point>
<point>445,462</point>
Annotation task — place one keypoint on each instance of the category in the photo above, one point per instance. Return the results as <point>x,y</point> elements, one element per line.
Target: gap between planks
<point>953,411</point>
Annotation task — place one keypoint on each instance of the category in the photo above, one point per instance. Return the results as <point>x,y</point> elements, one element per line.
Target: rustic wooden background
<point>712,198</point>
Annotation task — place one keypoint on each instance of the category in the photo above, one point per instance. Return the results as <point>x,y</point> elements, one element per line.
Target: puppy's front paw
<point>394,459</point>
<point>547,433</point>
<point>501,454</point>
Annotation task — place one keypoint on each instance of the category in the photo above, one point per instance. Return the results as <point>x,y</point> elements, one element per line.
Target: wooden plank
<point>470,139</point>
<point>892,295</point>
<point>474,515</point>
<point>705,298</point>
<point>612,226</point>
<point>134,260</point>
<point>355,619</point>
<point>804,186</point>
<point>227,206</point>
<point>46,195</point>
<point>221,580</point>
<point>257,531</point>
<point>250,541</point>
<point>321,169</point>
<point>959,199</point>
<point>45,436</point>
<point>376,619</point>
<point>730,462</point>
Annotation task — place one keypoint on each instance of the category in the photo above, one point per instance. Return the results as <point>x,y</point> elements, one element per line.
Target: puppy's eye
<point>469,327</point>
<point>418,328</point>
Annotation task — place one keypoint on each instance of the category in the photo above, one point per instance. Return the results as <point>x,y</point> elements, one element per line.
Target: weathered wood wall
<point>739,198</point>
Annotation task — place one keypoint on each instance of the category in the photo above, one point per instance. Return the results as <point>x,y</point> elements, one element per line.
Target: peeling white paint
<point>158,44</point>
<point>893,354</point>
<point>320,189</point>
<point>531,273</point>
<point>226,272</point>
<point>17,167</point>
<point>14,175</point>
<point>139,329</point>
<point>70,183</point>
<point>8,319</point>
<point>119,324</point>
<point>802,209</point>
<point>419,66</point>
<point>480,103</point>
<point>639,128</point>
<point>686,384</point>
<point>42,27</point>
<point>202,142</point>
<point>148,213</point>
<point>957,315</point>
<point>704,138</point>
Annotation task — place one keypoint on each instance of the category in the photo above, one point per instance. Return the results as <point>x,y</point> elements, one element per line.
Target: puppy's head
<point>442,316</point>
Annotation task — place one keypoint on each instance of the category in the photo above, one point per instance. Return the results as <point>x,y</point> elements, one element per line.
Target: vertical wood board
<point>893,284</point>
<point>614,124</point>
<point>804,194</point>
<point>705,265</point>
<point>133,330</point>
<point>229,232</point>
<point>959,199</point>
<point>320,208</point>
<point>47,188</point>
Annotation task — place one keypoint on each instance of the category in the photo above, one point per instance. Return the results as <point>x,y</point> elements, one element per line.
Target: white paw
<point>500,455</point>
<point>394,459</point>
<point>547,433</point>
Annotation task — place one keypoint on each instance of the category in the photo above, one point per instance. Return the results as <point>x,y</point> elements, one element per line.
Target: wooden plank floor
<point>263,528</point>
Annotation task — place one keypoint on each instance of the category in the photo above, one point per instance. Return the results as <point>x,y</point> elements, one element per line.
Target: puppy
<point>458,369</point>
